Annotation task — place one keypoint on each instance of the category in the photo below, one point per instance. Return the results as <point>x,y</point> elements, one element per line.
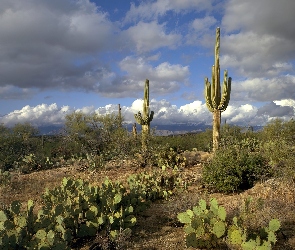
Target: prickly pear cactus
<point>263,240</point>
<point>206,228</point>
<point>204,225</point>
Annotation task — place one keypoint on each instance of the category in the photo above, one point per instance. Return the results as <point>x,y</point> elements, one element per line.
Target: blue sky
<point>60,56</point>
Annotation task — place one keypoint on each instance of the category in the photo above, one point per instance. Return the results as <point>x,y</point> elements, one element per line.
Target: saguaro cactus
<point>216,102</point>
<point>145,119</point>
<point>134,130</point>
<point>120,115</point>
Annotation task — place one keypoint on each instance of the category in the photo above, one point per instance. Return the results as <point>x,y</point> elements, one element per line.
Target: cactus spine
<point>216,102</point>
<point>145,119</point>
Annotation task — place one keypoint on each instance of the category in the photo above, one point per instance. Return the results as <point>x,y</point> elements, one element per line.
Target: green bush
<point>277,146</point>
<point>234,168</point>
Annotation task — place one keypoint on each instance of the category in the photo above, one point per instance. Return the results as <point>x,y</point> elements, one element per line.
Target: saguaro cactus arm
<point>208,95</point>
<point>226,88</point>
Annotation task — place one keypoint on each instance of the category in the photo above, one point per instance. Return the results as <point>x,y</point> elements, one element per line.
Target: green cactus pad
<point>8,225</point>
<point>200,231</point>
<point>50,237</point>
<point>30,205</point>
<point>189,229</point>
<point>58,209</point>
<point>271,237</point>
<point>202,204</point>
<point>41,234</point>
<point>249,245</point>
<point>21,221</point>
<point>15,207</point>
<point>222,213</point>
<point>184,218</point>
<point>214,206</point>
<point>130,221</point>
<point>117,198</point>
<point>59,219</point>
<point>3,216</point>
<point>196,222</point>
<point>191,240</point>
<point>274,225</point>
<point>235,237</point>
<point>219,229</point>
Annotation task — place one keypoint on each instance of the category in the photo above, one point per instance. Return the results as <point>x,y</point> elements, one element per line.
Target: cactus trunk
<point>217,103</point>
<point>216,128</point>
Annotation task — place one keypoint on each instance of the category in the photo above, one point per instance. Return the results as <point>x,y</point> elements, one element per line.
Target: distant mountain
<point>163,130</point>
<point>50,129</point>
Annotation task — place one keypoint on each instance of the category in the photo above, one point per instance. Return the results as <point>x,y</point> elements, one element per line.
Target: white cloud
<point>263,89</point>
<point>165,113</point>
<point>259,39</point>
<point>139,68</point>
<point>254,55</point>
<point>52,44</point>
<point>42,114</point>
<point>201,24</point>
<point>151,36</point>
<point>164,78</point>
<point>200,32</point>
<point>285,103</point>
<point>263,17</point>
<point>151,10</point>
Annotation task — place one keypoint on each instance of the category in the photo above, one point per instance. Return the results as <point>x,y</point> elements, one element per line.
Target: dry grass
<point>158,227</point>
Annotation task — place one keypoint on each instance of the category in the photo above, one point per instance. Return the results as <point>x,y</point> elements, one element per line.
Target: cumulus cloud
<point>256,55</point>
<point>47,44</point>
<point>259,37</point>
<point>150,10</point>
<point>273,17</point>
<point>164,78</point>
<point>42,114</point>
<point>200,32</point>
<point>277,109</point>
<point>151,36</point>
<point>165,113</point>
<point>11,92</point>
<point>244,114</point>
<point>263,89</point>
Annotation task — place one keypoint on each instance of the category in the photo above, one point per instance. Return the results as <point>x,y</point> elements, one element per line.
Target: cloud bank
<point>165,113</point>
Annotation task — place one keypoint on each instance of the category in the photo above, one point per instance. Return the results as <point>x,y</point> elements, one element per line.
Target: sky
<point>57,57</point>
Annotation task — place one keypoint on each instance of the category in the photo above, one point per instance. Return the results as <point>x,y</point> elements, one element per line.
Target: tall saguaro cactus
<point>217,102</point>
<point>145,119</point>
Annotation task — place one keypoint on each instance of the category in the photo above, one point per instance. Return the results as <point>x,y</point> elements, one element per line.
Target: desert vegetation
<point>88,188</point>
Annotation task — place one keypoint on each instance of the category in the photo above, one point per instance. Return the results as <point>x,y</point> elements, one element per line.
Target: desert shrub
<point>169,158</point>
<point>201,140</point>
<point>234,168</point>
<point>277,146</point>
<point>280,156</point>
<point>5,178</point>
<point>15,143</point>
